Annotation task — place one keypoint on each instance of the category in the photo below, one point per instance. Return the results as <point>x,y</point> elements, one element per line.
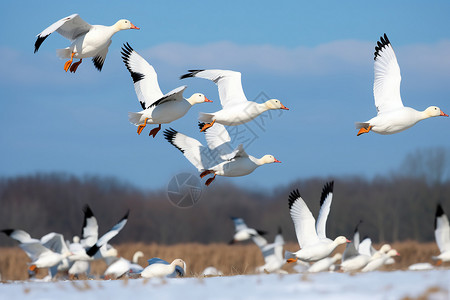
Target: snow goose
<point>243,232</point>
<point>157,107</point>
<point>442,235</point>
<point>272,253</point>
<point>392,116</point>
<point>236,109</point>
<point>379,259</point>
<point>356,254</point>
<point>219,158</point>
<point>123,266</point>
<point>313,246</point>
<point>87,40</point>
<point>158,267</point>
<point>324,264</point>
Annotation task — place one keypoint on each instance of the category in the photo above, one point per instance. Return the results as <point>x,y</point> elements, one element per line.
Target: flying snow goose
<point>157,107</point>
<point>87,40</point>
<point>392,116</point>
<point>313,247</point>
<point>243,232</point>
<point>236,109</point>
<point>219,158</point>
<point>442,235</point>
<point>158,267</point>
<point>272,253</point>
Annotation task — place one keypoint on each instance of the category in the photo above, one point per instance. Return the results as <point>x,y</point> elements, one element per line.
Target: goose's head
<point>392,253</point>
<point>197,98</point>
<point>341,240</point>
<point>124,25</point>
<point>275,104</point>
<point>434,111</point>
<point>179,262</point>
<point>268,159</point>
<point>385,248</point>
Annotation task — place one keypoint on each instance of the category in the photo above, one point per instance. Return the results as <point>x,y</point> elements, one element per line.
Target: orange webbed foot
<point>142,126</point>
<point>154,131</point>
<point>291,260</point>
<point>74,66</point>
<point>208,182</point>
<point>364,130</point>
<point>207,125</point>
<point>69,62</point>
<point>204,173</point>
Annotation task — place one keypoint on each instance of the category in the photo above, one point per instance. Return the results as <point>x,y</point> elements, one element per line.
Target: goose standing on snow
<point>311,235</point>
<point>158,267</point>
<point>157,107</point>
<point>87,40</point>
<point>236,109</point>
<point>219,158</point>
<point>392,116</point>
<point>243,232</point>
<point>442,235</point>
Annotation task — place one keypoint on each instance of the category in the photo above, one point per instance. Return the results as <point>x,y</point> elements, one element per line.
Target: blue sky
<point>317,58</point>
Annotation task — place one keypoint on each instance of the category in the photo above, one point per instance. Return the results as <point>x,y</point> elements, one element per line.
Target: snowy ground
<point>432,284</point>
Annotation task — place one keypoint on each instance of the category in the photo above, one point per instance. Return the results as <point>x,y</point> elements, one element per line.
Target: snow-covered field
<point>431,284</point>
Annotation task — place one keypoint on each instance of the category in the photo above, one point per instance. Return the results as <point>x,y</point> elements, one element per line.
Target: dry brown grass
<point>230,259</point>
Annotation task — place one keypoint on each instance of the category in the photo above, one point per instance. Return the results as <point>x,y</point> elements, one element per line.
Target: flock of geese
<point>220,158</point>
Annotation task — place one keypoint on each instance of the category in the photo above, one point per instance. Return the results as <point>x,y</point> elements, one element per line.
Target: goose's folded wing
<point>228,82</point>
<point>442,230</point>
<point>304,222</point>
<point>144,77</point>
<point>325,204</point>
<point>99,59</point>
<point>365,247</point>
<point>386,87</point>
<point>173,95</point>
<point>69,27</point>
<point>157,260</point>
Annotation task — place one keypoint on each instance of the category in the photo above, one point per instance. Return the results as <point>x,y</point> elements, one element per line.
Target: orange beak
<point>276,160</point>
<point>348,241</point>
<point>207,100</point>
<point>133,27</point>
<point>284,107</point>
<point>443,114</point>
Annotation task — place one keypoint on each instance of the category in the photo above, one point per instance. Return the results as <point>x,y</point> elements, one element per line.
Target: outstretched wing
<point>69,27</point>
<point>89,232</point>
<point>144,77</point>
<point>304,222</point>
<point>219,142</point>
<point>228,82</point>
<point>173,95</point>
<point>442,230</point>
<point>325,204</point>
<point>386,86</point>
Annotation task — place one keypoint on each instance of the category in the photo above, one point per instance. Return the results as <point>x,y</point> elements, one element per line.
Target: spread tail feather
<point>205,117</point>
<point>360,125</point>
<point>63,53</point>
<point>135,117</point>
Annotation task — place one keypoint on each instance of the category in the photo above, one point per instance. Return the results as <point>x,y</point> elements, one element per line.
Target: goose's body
<point>158,108</point>
<point>356,254</point>
<point>324,264</point>
<point>379,259</point>
<point>161,268</point>
<point>272,253</point>
<point>87,40</point>
<point>122,266</point>
<point>442,235</point>
<point>311,235</point>
<point>243,232</point>
<point>219,158</point>
<point>392,115</point>
<point>236,109</point>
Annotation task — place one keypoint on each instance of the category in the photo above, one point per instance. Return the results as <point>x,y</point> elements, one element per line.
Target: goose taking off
<point>87,40</point>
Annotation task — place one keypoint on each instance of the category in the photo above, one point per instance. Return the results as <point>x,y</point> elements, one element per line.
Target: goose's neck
<point>257,161</point>
<point>262,107</point>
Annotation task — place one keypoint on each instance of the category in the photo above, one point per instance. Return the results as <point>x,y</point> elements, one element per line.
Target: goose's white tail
<point>360,125</point>
<point>288,255</point>
<point>135,118</point>
<point>63,53</point>
<point>205,117</point>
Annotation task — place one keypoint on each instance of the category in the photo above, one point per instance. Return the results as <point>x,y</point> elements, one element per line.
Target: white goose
<point>158,267</point>
<point>324,264</point>
<point>311,235</point>
<point>157,107</point>
<point>442,235</point>
<point>379,259</point>
<point>87,40</point>
<point>123,266</point>
<point>218,158</point>
<point>272,253</point>
<point>236,109</point>
<point>243,232</point>
<point>392,116</point>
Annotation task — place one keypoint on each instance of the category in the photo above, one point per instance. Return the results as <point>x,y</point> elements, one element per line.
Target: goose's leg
<point>154,131</point>
<point>291,260</point>
<point>204,173</point>
<point>207,125</point>
<point>364,130</point>
<point>74,66</point>
<point>208,182</point>
<point>141,127</point>
<point>69,62</point>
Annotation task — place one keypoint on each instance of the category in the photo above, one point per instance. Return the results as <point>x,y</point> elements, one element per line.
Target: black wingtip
<point>39,42</point>
<point>169,135</point>
<point>98,62</point>
<point>87,211</point>
<point>439,213</point>
<point>280,231</point>
<point>327,189</point>
<point>261,232</point>
<point>357,225</point>
<point>295,194</point>
<point>384,41</point>
<point>126,216</point>
<point>91,251</point>
<point>8,232</point>
<point>191,73</point>
<point>126,53</point>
